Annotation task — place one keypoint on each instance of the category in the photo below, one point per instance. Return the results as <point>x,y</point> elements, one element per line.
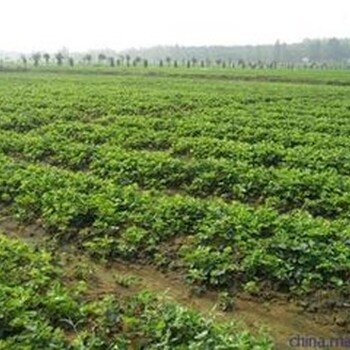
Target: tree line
<point>329,51</point>
<point>309,53</point>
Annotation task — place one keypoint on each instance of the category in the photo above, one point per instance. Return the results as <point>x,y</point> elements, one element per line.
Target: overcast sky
<point>29,25</point>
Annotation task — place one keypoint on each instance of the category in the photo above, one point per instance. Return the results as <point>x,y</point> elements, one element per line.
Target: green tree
<point>136,61</point>
<point>24,60</point>
<point>335,50</point>
<point>101,58</point>
<point>314,50</point>
<point>36,57</point>
<point>241,63</point>
<point>277,51</point>
<point>46,57</point>
<point>87,58</point>
<point>111,61</point>
<point>127,59</point>
<point>59,58</point>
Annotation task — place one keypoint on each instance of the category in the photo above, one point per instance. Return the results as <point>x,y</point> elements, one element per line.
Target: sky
<point>80,25</point>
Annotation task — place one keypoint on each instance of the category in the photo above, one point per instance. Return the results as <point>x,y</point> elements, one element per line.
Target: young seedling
<point>126,281</point>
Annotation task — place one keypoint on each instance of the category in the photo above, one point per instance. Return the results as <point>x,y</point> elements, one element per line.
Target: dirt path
<point>283,320</point>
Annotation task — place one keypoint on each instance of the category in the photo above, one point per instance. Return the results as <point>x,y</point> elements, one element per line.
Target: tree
<point>127,58</point>
<point>24,60</point>
<point>87,58</point>
<point>71,61</point>
<point>36,57</point>
<point>111,61</point>
<point>101,58</point>
<point>334,50</point>
<point>314,50</point>
<point>145,63</point>
<point>168,60</point>
<point>136,61</point>
<point>252,65</point>
<point>161,63</point>
<point>241,63</point>
<point>273,65</point>
<point>46,58</point>
<point>278,51</point>
<point>260,64</point>
<point>59,58</point>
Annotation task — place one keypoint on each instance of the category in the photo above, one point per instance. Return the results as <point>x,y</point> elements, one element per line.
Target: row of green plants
<point>33,100</point>
<point>221,245</point>
<point>164,132</point>
<point>322,193</point>
<point>245,129</point>
<point>219,128</point>
<point>40,310</point>
<point>60,141</point>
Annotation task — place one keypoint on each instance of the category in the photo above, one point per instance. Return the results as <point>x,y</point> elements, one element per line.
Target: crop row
<point>158,132</point>
<point>220,244</point>
<point>39,311</point>
<point>261,153</point>
<point>322,192</point>
<point>30,104</point>
<point>239,119</point>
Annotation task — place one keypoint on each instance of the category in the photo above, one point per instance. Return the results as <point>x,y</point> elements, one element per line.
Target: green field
<point>234,184</point>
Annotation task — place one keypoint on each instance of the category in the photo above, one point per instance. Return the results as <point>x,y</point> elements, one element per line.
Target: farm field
<point>232,187</point>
